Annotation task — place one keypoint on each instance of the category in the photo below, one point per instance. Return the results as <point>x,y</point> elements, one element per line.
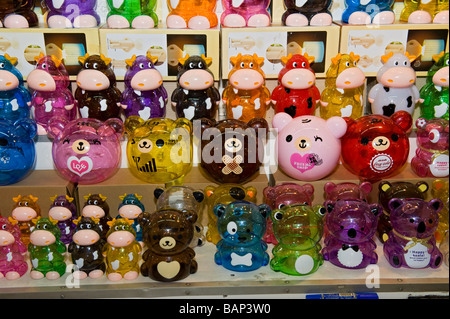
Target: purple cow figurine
<point>72,13</point>
<point>144,94</point>
<point>12,261</point>
<point>63,210</point>
<point>51,97</point>
<point>245,13</point>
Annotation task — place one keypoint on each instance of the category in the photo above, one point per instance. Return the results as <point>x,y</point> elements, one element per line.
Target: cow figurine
<point>395,90</point>
<point>63,210</point>
<point>72,14</point>
<point>425,11</point>
<point>51,97</point>
<point>144,93</point>
<point>12,251</point>
<point>246,96</point>
<point>192,14</point>
<point>344,87</point>
<point>245,13</point>
<point>300,13</point>
<point>138,14</point>
<point>24,211</point>
<point>97,94</point>
<point>18,14</point>
<point>296,93</point>
<point>97,207</point>
<point>196,96</point>
<point>360,12</point>
<point>131,207</point>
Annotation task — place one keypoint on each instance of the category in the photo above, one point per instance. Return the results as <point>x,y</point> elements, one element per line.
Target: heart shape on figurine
<point>236,3</point>
<point>302,163</point>
<point>80,166</point>
<point>168,269</point>
<point>300,3</point>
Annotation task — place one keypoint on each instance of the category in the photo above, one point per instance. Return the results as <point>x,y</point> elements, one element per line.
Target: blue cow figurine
<point>131,207</point>
<point>368,11</point>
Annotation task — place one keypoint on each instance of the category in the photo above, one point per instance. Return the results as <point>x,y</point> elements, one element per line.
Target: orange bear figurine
<point>246,96</point>
<point>192,14</point>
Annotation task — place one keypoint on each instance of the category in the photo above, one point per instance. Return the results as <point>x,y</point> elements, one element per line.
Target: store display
<point>443,247</point>
<point>121,251</point>
<point>245,13</point>
<point>344,87</point>
<point>439,189</point>
<point>97,94</point>
<point>296,93</point>
<point>431,158</point>
<point>12,251</point>
<point>64,211</point>
<point>304,12</point>
<point>159,150</point>
<point>376,146</point>
<point>72,14</point>
<point>423,12</point>
<point>361,12</point>
<point>23,212</point>
<point>435,92</point>
<point>411,242</point>
<point>51,96</point>
<point>17,149</point>
<point>86,150</point>
<point>130,207</point>
<point>137,14</point>
<point>167,235</point>
<point>241,226</point>
<point>46,250</point>
<point>86,249</point>
<point>18,14</point>
<point>195,96</point>
<point>298,229</point>
<point>14,96</point>
<point>351,225</point>
<point>246,96</point>
<point>308,147</point>
<point>395,90</point>
<point>97,207</point>
<point>192,14</point>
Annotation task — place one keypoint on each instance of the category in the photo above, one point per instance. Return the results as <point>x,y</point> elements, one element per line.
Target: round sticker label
<point>381,163</point>
<point>439,167</point>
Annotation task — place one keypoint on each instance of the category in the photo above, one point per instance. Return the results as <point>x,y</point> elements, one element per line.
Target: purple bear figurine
<point>72,13</point>
<point>351,226</point>
<point>144,93</point>
<point>411,242</point>
<point>12,250</point>
<point>63,210</point>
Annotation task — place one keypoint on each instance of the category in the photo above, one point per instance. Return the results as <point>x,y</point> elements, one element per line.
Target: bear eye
<point>430,221</point>
<point>394,137</point>
<point>155,237</point>
<point>180,236</point>
<point>96,142</point>
<point>342,227</point>
<point>66,141</point>
<point>434,136</point>
<point>160,143</point>
<point>288,138</point>
<point>232,228</point>
<point>364,141</point>
<point>3,142</point>
<point>316,138</point>
<point>411,220</point>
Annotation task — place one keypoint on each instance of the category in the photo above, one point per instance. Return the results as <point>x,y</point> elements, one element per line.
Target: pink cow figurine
<point>12,250</point>
<point>51,97</point>
<point>245,13</point>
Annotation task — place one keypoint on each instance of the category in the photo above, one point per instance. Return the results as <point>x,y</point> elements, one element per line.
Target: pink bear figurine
<point>51,96</point>
<point>431,159</point>
<point>12,249</point>
<point>347,190</point>
<point>245,13</point>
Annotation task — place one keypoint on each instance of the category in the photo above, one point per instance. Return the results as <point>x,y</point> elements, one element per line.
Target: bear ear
<point>184,124</point>
<point>436,204</point>
<point>143,218</point>
<point>259,123</point>
<point>191,216</point>
<point>199,196</point>
<point>421,122</point>
<point>219,210</point>
<point>280,120</point>
<point>265,210</point>
<point>269,192</point>
<point>110,127</point>
<point>403,119</point>
<point>365,187</point>
<point>206,123</point>
<point>55,126</point>
<point>337,125</point>
<point>329,187</point>
<point>308,189</point>
<point>422,186</point>
<point>158,192</point>
<point>384,186</point>
<point>376,209</point>
<point>25,128</point>
<point>133,122</point>
<point>395,203</point>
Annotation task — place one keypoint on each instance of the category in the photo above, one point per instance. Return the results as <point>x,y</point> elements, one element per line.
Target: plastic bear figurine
<point>46,250</point>
<point>97,94</point>
<point>425,11</point>
<point>130,207</point>
<point>347,190</point>
<point>246,95</point>
<point>431,158</point>
<point>159,150</point>
<point>351,224</point>
<point>344,87</point>
<point>192,14</point>
<point>195,96</point>
<point>435,92</point>
<point>231,154</point>
<point>18,14</point>
<point>395,90</point>
<point>439,189</point>
<point>72,14</point>
<point>86,151</point>
<point>298,229</point>
<point>241,225</point>
<point>17,149</point>
<point>224,194</point>
<point>361,12</point>
<point>300,13</point>
<point>296,93</point>
<point>51,97</point>
<point>139,14</point>
<point>12,250</point>
<point>245,13</point>
<point>443,247</point>
<point>376,146</point>
<point>308,146</point>
<point>144,93</point>
<point>23,212</point>
<point>183,198</point>
<point>64,210</point>
<point>285,194</point>
<point>86,249</point>
<point>122,251</point>
<point>167,235</point>
<point>14,97</point>
<point>97,207</point>
<point>411,242</point>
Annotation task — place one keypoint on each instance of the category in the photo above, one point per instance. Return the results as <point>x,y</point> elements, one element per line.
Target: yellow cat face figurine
<point>159,150</point>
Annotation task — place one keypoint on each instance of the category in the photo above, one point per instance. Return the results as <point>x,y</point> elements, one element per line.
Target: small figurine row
<point>200,14</point>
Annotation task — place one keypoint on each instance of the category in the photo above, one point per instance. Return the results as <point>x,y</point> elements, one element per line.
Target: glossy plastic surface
<point>139,14</point>
<point>64,210</point>
<point>86,151</point>
<point>347,190</point>
<point>443,247</point>
<point>363,12</point>
<point>72,14</point>
<point>192,14</point>
<point>296,93</point>
<point>144,93</point>
<point>246,95</point>
<point>130,207</point>
<point>12,251</point>
<point>245,13</point>
<point>18,13</point>
<point>439,189</point>
<point>423,11</point>
<point>301,13</point>
<point>96,206</point>
<point>159,150</point>
<point>432,155</point>
<point>24,211</point>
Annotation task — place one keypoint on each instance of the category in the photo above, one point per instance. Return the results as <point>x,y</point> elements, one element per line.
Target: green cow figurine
<point>139,14</point>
